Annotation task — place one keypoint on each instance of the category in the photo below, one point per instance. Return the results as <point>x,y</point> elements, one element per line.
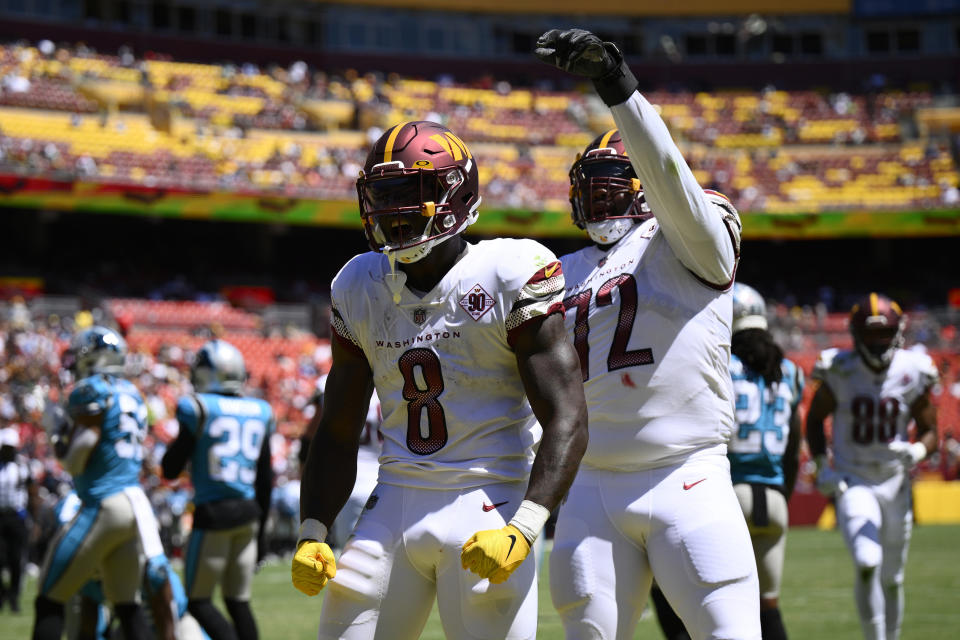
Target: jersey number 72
<point>619,357</point>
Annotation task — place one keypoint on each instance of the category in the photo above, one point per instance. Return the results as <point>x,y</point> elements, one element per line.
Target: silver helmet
<point>96,350</point>
<point>218,368</point>
<point>749,309</point>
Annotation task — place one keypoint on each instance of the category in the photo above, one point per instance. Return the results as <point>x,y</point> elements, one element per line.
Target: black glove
<point>581,53</point>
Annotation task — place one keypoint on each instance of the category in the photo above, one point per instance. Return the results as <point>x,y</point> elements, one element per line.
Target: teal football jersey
<point>229,432</point>
<point>115,462</point>
<point>763,413</point>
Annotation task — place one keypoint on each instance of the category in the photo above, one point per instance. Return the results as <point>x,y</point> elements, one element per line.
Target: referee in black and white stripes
<point>14,481</point>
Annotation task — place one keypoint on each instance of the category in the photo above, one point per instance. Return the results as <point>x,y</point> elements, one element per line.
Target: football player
<point>103,451</point>
<point>161,588</point>
<point>466,348</point>
<point>873,393</point>
<point>226,438</point>
<point>649,306</point>
<point>764,450</point>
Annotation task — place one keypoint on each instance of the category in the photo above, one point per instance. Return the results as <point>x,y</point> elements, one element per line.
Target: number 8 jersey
<point>229,432</point>
<point>455,413</point>
<point>873,408</point>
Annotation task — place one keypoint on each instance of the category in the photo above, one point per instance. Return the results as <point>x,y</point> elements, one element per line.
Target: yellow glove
<point>313,566</point>
<point>495,553</point>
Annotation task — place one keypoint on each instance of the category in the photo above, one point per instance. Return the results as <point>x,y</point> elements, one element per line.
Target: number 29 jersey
<point>654,347</point>
<point>115,462</point>
<point>229,433</point>
<point>455,414</point>
<point>873,409</point>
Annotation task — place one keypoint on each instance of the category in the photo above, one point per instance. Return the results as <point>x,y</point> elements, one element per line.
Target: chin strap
<point>395,279</point>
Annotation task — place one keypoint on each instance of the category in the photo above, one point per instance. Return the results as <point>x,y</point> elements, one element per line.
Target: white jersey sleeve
<point>702,227</point>
<point>453,405</point>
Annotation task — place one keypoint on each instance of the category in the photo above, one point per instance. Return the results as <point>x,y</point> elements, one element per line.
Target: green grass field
<point>817,598</point>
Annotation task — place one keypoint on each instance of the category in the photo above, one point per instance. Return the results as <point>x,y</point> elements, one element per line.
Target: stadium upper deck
<point>73,114</point>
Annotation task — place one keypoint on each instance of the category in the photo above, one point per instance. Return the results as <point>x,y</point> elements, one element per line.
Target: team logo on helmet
<point>605,194</point>
<point>877,324</point>
<point>419,186</point>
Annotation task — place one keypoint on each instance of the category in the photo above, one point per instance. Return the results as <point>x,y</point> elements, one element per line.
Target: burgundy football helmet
<point>877,323</point>
<point>605,193</point>
<point>419,186</point>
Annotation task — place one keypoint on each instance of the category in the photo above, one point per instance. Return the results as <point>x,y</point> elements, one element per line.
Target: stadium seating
<point>163,123</point>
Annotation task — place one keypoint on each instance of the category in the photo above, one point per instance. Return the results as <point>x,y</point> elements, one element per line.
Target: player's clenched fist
<point>584,54</point>
<point>313,566</point>
<point>577,51</point>
<point>495,553</point>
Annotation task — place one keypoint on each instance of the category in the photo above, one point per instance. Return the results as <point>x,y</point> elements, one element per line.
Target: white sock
<point>870,606</point>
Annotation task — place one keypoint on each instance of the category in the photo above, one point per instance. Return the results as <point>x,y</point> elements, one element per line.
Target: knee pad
<point>572,579</point>
<point>710,563</point>
<point>361,571</point>
<point>867,553</point>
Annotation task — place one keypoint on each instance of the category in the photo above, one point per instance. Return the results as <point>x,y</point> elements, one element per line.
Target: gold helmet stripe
<point>391,139</point>
<point>896,308</point>
<point>605,140</point>
<point>874,311</point>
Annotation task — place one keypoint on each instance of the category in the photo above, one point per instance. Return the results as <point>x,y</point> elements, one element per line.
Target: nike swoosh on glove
<point>313,566</point>
<point>495,553</point>
<point>577,51</point>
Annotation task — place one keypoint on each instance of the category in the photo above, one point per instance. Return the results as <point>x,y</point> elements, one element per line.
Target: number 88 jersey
<point>229,433</point>
<point>873,408</point>
<point>455,414</point>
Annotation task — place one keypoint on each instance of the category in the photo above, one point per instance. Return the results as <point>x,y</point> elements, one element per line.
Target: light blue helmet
<point>96,350</point>
<point>218,368</point>
<point>749,309</point>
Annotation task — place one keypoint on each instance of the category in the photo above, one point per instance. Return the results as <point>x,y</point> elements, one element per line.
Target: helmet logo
<point>452,145</point>
<point>423,164</point>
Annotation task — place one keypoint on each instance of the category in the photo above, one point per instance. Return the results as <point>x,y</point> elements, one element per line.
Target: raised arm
<point>703,228</point>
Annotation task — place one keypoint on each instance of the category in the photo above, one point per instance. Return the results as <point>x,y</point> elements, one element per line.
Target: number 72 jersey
<point>654,347</point>
<point>873,409</point>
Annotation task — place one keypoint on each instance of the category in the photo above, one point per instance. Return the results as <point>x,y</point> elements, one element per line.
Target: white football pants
<point>680,524</point>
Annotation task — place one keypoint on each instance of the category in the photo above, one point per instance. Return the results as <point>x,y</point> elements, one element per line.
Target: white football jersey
<point>455,414</point>
<point>873,409</point>
<point>654,347</point>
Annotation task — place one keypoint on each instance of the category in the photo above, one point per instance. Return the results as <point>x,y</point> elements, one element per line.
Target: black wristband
<point>617,85</point>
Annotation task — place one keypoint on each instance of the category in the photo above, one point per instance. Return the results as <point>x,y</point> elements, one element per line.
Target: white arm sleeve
<point>81,446</point>
<point>703,228</point>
